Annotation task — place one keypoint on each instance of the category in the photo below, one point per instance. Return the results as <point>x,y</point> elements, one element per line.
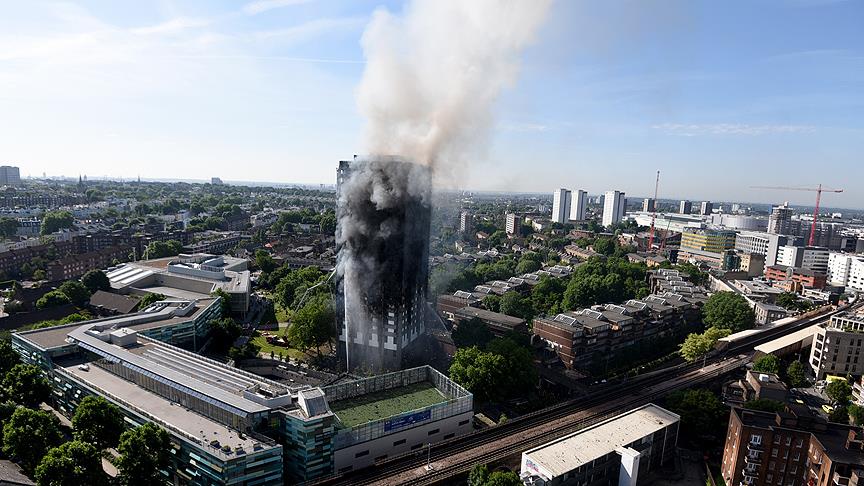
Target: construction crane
<point>653,213</point>
<point>818,190</point>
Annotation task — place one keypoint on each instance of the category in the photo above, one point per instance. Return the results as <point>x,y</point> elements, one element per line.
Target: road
<point>457,456</point>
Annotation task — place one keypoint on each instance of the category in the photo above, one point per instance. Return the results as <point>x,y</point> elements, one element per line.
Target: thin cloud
<point>525,127</point>
<point>692,130</point>
<point>312,28</point>
<point>261,6</point>
<point>171,26</point>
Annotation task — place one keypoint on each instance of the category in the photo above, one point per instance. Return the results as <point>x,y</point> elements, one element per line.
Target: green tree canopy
<point>701,411</point>
<point>29,434</point>
<point>96,280</point>
<point>25,385</point>
<point>150,299</point>
<point>314,324</point>
<point>54,298</point>
<point>8,357</point>
<point>767,364</point>
<point>264,261</point>
<point>839,391</point>
<point>764,405</point>
<point>697,345</point>
<point>471,332</point>
<point>728,310</point>
<point>54,221</point>
<point>795,375</point>
<point>74,462</point>
<point>515,304</point>
<point>98,422</point>
<point>144,452</point>
<point>223,333</point>
<point>75,291</point>
<point>527,266</point>
<point>247,351</point>
<point>8,227</point>
<point>856,414</point>
<point>162,249</point>
<point>479,372</point>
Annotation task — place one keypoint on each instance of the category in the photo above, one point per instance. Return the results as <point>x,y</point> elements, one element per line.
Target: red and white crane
<point>653,213</point>
<point>818,190</point>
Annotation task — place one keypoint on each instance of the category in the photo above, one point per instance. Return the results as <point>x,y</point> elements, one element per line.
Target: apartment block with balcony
<point>837,347</point>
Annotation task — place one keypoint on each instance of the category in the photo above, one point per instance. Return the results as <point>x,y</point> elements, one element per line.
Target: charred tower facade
<point>382,234</point>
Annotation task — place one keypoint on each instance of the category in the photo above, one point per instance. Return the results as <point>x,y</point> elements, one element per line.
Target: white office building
<point>561,206</point>
<point>648,204</point>
<point>808,257</point>
<point>707,208</point>
<point>760,243</point>
<point>613,207</point>
<point>846,270</point>
<point>685,207</point>
<point>578,205</point>
<point>512,225</point>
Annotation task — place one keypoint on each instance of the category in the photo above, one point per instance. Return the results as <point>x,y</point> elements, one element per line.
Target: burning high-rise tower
<point>383,215</point>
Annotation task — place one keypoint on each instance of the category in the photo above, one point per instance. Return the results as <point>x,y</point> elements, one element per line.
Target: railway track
<point>515,436</point>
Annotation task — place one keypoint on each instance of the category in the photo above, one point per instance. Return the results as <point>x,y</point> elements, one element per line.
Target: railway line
<point>458,455</point>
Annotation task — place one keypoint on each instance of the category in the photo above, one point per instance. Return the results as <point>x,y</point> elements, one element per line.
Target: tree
<point>479,372</point>
<point>96,280</point>
<point>839,415</point>
<point>527,266</point>
<point>496,238</point>
<point>55,221</point>
<point>471,332</point>
<point>98,422</point>
<point>503,478</point>
<point>604,246</point>
<point>314,324</point>
<point>478,475</point>
<point>856,414</point>
<point>514,304</point>
<point>839,391</point>
<point>518,366</point>
<point>223,333</point>
<point>25,385</point>
<point>75,291</point>
<point>492,302</point>
<point>697,345</point>
<point>700,410</point>
<point>74,462</point>
<point>144,452</point>
<point>264,261</point>
<point>162,249</point>
<point>8,357</point>
<point>727,310</point>
<point>248,350</point>
<point>29,434</point>
<point>767,364</point>
<point>224,303</point>
<point>764,405</point>
<point>8,227</point>
<point>54,298</point>
<point>795,375</point>
<point>149,300</point>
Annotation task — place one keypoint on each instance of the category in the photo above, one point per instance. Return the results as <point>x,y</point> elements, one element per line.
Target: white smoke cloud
<point>433,74</point>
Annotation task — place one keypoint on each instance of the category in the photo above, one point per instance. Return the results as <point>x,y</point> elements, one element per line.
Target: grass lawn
<point>267,347</point>
<point>383,404</point>
<point>281,313</point>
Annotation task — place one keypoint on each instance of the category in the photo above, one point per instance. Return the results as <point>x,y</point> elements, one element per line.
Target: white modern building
<point>648,204</point>
<point>613,207</point>
<point>578,205</point>
<point>561,205</point>
<point>466,222</point>
<point>808,257</point>
<point>766,244</point>
<point>707,208</point>
<point>512,225</point>
<point>615,451</point>
<point>685,207</point>
<point>846,270</point>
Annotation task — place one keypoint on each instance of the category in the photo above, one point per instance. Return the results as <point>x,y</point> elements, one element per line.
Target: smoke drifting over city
<point>431,79</point>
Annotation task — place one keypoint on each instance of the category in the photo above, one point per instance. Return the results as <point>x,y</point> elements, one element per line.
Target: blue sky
<point>719,96</point>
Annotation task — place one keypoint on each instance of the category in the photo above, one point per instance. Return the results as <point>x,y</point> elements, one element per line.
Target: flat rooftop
<point>53,337</point>
<point>572,451</point>
<point>386,403</point>
<point>187,421</point>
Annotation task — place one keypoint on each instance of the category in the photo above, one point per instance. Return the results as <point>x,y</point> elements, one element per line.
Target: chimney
<point>854,440</point>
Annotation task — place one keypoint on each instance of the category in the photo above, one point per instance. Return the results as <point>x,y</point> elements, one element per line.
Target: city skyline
<point>265,91</point>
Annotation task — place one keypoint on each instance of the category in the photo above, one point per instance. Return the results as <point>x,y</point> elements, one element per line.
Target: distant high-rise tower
<point>561,205</point>
<point>613,207</point>
<point>512,224</point>
<point>780,220</point>
<point>707,208</point>
<point>466,222</point>
<point>648,205</point>
<point>578,205</point>
<point>382,235</point>
<point>685,207</point>
<point>9,176</point>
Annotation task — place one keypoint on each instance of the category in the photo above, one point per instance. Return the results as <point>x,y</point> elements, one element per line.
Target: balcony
<point>755,459</point>
<point>755,446</point>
